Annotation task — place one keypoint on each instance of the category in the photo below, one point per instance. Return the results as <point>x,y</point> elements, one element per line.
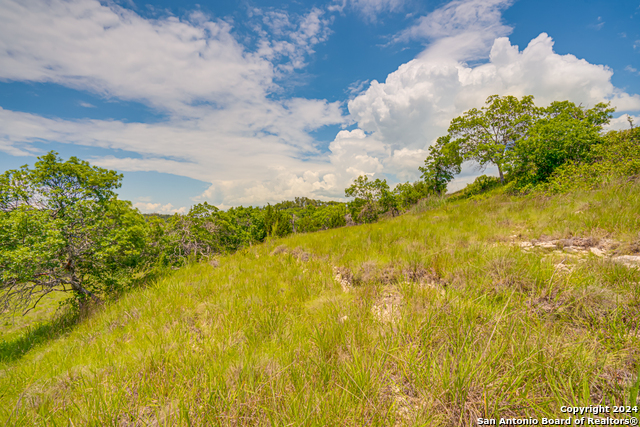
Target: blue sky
<point>259,101</point>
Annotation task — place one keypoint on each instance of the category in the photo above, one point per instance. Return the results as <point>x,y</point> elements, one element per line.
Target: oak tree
<point>443,162</point>
<point>564,132</point>
<point>487,135</point>
<point>62,228</point>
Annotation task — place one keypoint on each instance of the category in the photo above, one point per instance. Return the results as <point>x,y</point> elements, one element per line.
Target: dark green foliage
<point>206,231</point>
<point>488,135</point>
<point>313,218</point>
<point>336,216</point>
<point>563,133</point>
<point>409,194</point>
<point>305,215</point>
<point>355,207</point>
<point>62,228</point>
<point>444,161</point>
<point>371,199</point>
<point>618,156</point>
<point>281,224</point>
<point>388,201</point>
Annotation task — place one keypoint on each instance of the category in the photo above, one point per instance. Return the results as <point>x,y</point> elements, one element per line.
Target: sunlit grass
<point>476,327</point>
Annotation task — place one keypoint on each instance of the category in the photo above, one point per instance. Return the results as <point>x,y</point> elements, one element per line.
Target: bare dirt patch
<point>388,306</point>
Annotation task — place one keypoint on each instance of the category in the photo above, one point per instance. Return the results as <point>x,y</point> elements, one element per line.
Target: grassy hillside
<point>437,317</point>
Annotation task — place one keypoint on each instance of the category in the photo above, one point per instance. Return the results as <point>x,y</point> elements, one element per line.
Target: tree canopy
<point>371,198</point>
<point>62,228</point>
<point>563,132</point>
<point>487,135</point>
<point>526,143</point>
<point>443,162</point>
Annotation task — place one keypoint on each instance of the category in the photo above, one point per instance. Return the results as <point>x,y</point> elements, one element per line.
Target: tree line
<point>63,228</point>
<point>527,144</point>
<point>550,149</point>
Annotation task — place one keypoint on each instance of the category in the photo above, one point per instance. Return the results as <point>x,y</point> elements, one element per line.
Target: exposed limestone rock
<point>344,277</point>
<point>387,308</point>
<point>547,245</point>
<point>579,248</point>
<point>628,260</point>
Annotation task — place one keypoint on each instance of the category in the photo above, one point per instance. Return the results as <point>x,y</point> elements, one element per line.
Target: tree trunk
<point>501,175</point>
<point>77,287</point>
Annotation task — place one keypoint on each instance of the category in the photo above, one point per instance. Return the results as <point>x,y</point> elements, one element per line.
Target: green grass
<point>445,321</point>
<point>20,333</point>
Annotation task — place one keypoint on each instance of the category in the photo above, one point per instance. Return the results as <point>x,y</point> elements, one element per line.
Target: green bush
<point>482,184</point>
<point>617,157</point>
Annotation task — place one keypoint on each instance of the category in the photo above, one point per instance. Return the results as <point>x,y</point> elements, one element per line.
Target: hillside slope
<point>437,317</point>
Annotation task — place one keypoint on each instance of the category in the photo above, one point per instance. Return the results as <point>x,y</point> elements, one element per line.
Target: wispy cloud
<point>461,29</point>
<point>86,104</point>
<point>223,124</point>
<point>459,16</point>
<point>287,40</point>
<point>598,25</point>
<point>226,127</point>
<point>356,87</point>
<point>369,9</point>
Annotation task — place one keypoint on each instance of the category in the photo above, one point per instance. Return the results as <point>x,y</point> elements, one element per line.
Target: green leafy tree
<point>444,161</point>
<point>194,235</point>
<point>277,222</point>
<point>564,132</point>
<point>363,188</point>
<point>62,228</point>
<point>408,194</point>
<point>246,224</point>
<point>334,216</point>
<point>308,223</point>
<point>371,199</point>
<point>489,134</point>
<point>205,231</point>
<point>314,217</point>
<point>618,156</point>
<point>388,201</point>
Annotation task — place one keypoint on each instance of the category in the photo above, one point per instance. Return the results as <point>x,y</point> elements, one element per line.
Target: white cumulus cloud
<point>416,103</point>
<point>223,125</point>
<point>168,208</point>
<point>623,122</point>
